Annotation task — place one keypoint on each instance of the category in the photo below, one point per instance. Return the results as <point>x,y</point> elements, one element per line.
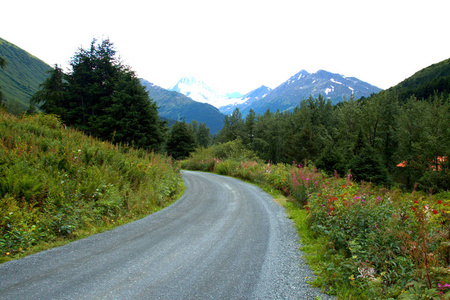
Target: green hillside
<point>176,106</point>
<point>57,184</point>
<point>424,83</point>
<point>22,75</point>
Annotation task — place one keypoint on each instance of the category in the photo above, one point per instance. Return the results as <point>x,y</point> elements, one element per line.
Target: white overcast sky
<point>239,45</point>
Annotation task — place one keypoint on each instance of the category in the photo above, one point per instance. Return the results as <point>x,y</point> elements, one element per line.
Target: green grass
<point>58,185</point>
<point>22,75</point>
<point>362,241</point>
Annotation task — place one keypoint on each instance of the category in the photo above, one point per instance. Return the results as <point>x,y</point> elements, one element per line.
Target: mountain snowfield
<point>246,101</point>
<point>286,96</point>
<point>199,91</point>
<point>303,85</point>
<point>176,106</point>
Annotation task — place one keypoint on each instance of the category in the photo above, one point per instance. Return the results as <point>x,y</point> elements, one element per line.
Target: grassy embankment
<point>362,241</point>
<point>58,185</point>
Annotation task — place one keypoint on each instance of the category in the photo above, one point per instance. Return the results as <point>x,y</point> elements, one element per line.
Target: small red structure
<point>440,160</point>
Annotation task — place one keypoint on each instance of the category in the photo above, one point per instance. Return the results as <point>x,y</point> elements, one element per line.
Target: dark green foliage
<point>131,118</point>
<point>370,242</point>
<point>201,133</point>
<point>103,98</point>
<point>91,84</point>
<point>367,166</point>
<point>331,159</point>
<point>268,137</point>
<point>370,137</point>
<point>53,93</point>
<point>233,127</point>
<point>249,128</point>
<point>430,80</point>
<point>181,141</point>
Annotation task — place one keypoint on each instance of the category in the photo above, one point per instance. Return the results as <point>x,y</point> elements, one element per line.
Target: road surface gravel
<point>223,239</point>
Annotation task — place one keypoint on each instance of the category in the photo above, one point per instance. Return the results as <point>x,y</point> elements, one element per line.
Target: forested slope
<point>22,74</point>
<point>432,79</point>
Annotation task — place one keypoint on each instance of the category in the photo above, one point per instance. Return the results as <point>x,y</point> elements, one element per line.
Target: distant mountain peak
<point>301,86</point>
<point>175,106</point>
<point>199,91</point>
<point>246,100</point>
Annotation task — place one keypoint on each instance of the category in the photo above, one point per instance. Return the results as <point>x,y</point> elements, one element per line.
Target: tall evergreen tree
<point>249,128</point>
<point>53,94</point>
<point>233,127</point>
<point>203,135</point>
<point>104,98</point>
<point>348,126</point>
<point>268,136</point>
<point>181,140</point>
<point>389,110</point>
<point>367,166</point>
<point>131,117</point>
<point>91,84</point>
<point>411,135</point>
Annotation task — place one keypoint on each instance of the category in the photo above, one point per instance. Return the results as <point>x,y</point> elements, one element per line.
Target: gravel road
<point>224,239</point>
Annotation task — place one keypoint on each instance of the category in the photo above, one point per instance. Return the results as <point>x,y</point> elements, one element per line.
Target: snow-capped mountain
<point>175,106</point>
<point>199,91</point>
<point>303,85</point>
<point>286,96</point>
<point>246,100</point>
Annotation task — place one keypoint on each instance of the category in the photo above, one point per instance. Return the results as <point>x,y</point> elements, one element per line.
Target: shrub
<point>375,243</point>
<point>56,183</point>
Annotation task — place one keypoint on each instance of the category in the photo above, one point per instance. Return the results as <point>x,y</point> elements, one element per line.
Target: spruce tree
<point>131,117</point>
<point>53,94</point>
<point>91,84</point>
<point>103,98</point>
<point>203,135</point>
<point>249,128</point>
<point>181,141</point>
<point>233,127</point>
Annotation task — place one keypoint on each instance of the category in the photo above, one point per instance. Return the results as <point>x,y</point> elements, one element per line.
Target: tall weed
<point>372,243</point>
<point>57,183</point>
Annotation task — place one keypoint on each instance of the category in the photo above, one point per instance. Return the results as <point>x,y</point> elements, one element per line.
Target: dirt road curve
<point>224,239</point>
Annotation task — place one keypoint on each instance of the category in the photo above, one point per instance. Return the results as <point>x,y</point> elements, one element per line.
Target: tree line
<point>377,139</point>
<point>383,139</point>
<point>105,99</point>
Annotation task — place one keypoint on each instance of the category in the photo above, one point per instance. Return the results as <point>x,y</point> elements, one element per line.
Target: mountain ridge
<point>425,82</point>
<point>247,100</point>
<point>174,105</point>
<point>22,75</point>
<point>286,96</point>
<point>303,84</point>
<point>199,91</point>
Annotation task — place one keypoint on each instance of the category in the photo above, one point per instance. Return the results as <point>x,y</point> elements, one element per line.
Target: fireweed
<point>381,243</point>
<point>57,184</point>
<point>403,238</point>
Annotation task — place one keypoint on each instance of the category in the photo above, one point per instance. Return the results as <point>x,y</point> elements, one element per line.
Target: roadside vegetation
<point>363,241</point>
<point>367,180</point>
<point>94,160</point>
<point>58,185</point>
